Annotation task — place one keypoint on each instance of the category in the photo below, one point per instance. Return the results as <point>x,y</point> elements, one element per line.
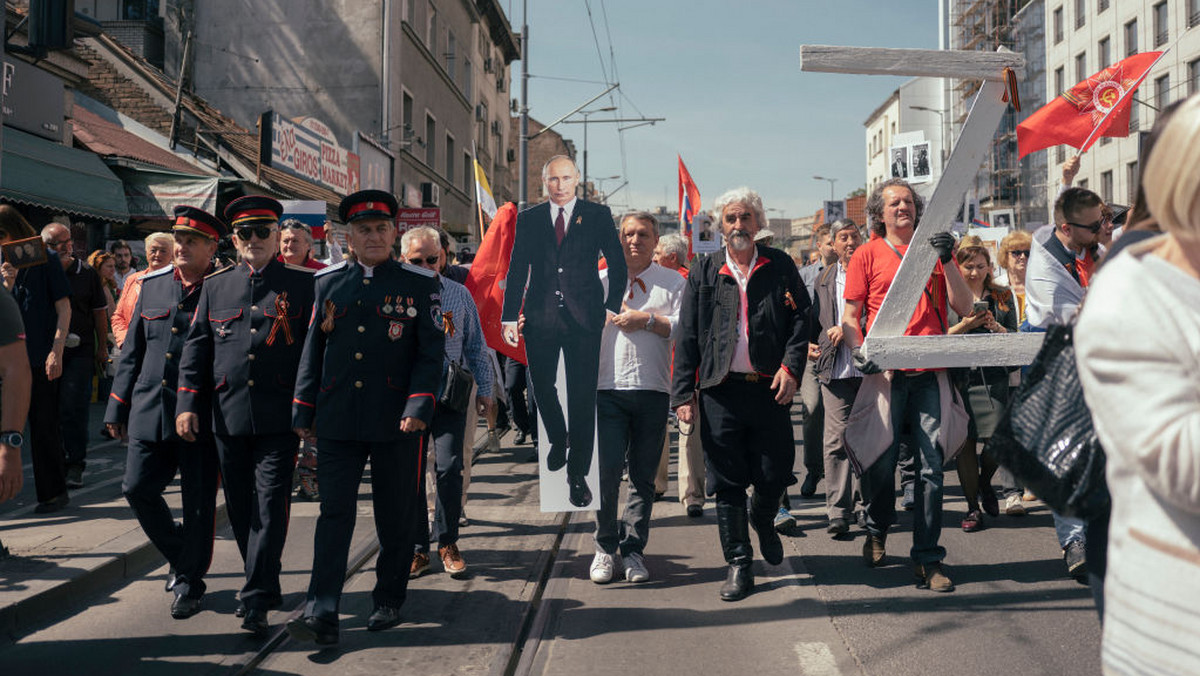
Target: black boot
<point>735,544</point>
<point>762,516</point>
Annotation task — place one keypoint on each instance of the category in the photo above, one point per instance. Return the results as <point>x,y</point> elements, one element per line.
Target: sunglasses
<point>1093,228</point>
<point>261,231</point>
<point>1019,252</point>
<point>428,260</point>
<point>734,218</point>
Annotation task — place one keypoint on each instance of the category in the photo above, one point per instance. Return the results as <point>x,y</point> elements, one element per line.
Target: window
<point>1060,81</point>
<point>468,81</point>
<point>430,141</point>
<point>450,152</point>
<point>1131,38</point>
<point>1080,13</point>
<point>1104,54</point>
<point>450,56</point>
<point>1105,140</point>
<point>1106,186</point>
<point>1193,13</point>
<point>483,124</point>
<point>1083,183</point>
<point>1162,30</point>
<point>1131,180</point>
<point>1135,123</point>
<point>1162,92</point>
<point>431,26</point>
<point>1058,25</point>
<point>1060,154</point>
<point>406,117</point>
<point>1101,5</point>
<point>468,174</point>
<point>1193,77</point>
<point>1081,73</point>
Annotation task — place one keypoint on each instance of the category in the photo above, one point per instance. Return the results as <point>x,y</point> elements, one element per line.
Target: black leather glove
<point>863,364</point>
<point>943,243</point>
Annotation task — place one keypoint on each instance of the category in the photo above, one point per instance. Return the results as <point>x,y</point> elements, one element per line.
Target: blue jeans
<point>915,399</point>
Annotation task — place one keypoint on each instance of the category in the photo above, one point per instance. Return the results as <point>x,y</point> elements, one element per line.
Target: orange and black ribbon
<point>639,282</point>
<point>448,323</point>
<point>281,321</point>
<point>789,301</point>
<point>1010,89</point>
<point>327,323</point>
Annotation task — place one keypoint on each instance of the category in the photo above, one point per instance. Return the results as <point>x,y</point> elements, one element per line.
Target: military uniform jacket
<point>778,311</point>
<point>143,391</point>
<point>565,275</point>
<point>373,354</point>
<point>244,347</point>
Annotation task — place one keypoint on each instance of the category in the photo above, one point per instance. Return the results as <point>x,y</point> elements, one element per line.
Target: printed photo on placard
<point>900,162</point>
<point>920,169</point>
<point>1001,218</point>
<point>25,253</point>
<point>554,487</point>
<point>835,210</point>
<point>706,237</point>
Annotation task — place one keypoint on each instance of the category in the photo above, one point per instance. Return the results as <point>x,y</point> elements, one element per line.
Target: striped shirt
<point>459,311</point>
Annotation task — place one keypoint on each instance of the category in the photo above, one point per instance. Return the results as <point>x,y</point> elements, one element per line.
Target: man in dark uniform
<point>372,362</point>
<point>558,244</point>
<point>742,343</point>
<point>242,352</point>
<point>142,404</point>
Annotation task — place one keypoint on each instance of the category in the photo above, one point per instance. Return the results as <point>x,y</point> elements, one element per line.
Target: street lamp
<point>831,182</point>
<point>585,114</point>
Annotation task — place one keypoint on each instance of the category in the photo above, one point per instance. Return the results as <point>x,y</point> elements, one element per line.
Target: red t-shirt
<point>870,275</point>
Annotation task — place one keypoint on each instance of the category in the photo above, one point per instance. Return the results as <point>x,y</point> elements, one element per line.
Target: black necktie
<point>560,227</point>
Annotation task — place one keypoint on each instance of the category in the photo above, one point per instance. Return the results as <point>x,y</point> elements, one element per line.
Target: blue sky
<point>726,76</point>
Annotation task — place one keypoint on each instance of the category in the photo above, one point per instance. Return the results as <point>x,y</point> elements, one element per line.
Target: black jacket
<point>569,270</point>
<point>778,314</point>
<point>144,390</point>
<point>238,350</point>
<point>373,354</point>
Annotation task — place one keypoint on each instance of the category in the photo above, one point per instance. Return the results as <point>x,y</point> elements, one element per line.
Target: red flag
<point>689,203</point>
<point>486,280</point>
<point>1098,106</point>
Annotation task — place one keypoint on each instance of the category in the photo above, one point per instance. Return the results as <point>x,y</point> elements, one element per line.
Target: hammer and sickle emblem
<point>1109,97</point>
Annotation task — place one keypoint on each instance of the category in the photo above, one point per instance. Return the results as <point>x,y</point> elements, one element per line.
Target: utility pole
<point>523,183</point>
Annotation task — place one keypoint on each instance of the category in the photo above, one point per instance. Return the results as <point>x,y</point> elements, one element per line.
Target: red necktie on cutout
<point>560,227</point>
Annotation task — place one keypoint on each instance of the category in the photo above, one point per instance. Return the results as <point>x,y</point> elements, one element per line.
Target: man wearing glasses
<point>1061,262</point>
<point>240,358</point>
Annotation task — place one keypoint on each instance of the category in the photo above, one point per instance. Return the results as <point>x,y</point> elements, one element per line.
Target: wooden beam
<point>996,349</point>
<point>971,65</point>
<point>970,151</point>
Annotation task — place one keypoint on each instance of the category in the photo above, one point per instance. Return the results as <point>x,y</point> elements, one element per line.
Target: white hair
<point>745,197</point>
<point>420,232</point>
<point>674,243</point>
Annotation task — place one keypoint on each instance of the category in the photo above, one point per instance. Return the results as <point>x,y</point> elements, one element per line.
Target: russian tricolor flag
<point>689,203</point>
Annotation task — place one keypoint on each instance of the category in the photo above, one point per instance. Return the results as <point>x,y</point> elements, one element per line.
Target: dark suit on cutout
<point>564,308</point>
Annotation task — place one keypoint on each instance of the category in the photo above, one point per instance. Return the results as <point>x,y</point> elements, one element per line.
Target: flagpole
<point>475,190</point>
<point>1128,94</point>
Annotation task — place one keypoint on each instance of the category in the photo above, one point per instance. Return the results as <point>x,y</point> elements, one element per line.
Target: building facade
<point>908,118</point>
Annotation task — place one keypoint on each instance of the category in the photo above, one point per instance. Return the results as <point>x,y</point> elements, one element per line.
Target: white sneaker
<point>635,568</point>
<point>602,568</point>
<point>1013,506</point>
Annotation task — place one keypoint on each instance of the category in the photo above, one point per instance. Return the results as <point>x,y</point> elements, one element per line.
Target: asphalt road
<point>528,608</point>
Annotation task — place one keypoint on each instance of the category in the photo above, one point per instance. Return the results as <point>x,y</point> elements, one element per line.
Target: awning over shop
<point>50,175</point>
<point>153,193</point>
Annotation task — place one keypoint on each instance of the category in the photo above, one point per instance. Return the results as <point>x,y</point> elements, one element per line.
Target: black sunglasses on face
<point>1019,252</point>
<point>262,231</point>
<point>428,260</point>
<point>1093,228</point>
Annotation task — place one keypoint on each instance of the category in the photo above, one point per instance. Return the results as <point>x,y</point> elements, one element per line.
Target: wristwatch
<point>650,322</point>
<point>14,439</point>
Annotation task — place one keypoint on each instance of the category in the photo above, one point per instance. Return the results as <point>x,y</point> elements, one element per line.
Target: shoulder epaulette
<point>214,273</point>
<point>299,268</point>
<point>158,273</point>
<point>331,268</point>
<point>418,269</point>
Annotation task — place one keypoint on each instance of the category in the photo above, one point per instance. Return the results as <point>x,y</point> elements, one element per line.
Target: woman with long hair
<point>985,389</point>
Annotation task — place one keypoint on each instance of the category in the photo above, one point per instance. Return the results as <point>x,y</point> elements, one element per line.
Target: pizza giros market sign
<point>307,148</point>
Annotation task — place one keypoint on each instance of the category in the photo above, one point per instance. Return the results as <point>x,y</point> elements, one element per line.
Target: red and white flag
<point>1098,106</point>
<point>486,281</point>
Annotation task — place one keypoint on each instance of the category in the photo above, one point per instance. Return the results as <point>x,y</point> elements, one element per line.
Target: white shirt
<point>741,351</point>
<point>567,208</point>
<point>843,361</point>
<point>120,278</point>
<point>368,270</point>
<point>641,360</point>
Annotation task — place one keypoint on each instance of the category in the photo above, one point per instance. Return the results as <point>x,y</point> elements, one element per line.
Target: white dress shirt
<point>641,360</point>
<point>741,351</point>
<point>567,208</point>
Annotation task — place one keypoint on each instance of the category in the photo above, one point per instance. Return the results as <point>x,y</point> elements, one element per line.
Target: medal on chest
<point>395,330</point>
